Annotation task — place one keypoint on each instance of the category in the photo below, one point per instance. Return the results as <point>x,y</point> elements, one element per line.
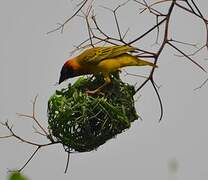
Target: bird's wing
<point>97,54</point>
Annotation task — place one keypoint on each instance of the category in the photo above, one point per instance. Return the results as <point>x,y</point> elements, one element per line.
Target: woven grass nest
<point>82,122</point>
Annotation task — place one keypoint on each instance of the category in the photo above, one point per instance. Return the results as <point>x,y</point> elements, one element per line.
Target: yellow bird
<point>103,60</point>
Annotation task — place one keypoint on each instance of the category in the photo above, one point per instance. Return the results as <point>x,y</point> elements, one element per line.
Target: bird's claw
<point>93,92</point>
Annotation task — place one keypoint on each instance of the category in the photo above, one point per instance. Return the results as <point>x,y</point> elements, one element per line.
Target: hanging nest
<point>82,122</point>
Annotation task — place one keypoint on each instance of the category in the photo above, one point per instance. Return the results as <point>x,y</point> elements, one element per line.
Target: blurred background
<point>30,62</point>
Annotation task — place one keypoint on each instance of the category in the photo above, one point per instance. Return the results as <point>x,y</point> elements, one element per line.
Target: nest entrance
<point>82,123</point>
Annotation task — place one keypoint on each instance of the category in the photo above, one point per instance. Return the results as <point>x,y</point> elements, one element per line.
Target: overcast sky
<point>30,64</point>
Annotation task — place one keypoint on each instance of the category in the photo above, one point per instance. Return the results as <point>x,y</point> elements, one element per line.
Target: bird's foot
<point>93,92</point>
<point>119,70</point>
<point>97,91</point>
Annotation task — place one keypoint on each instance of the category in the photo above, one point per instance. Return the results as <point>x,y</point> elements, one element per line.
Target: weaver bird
<point>103,60</point>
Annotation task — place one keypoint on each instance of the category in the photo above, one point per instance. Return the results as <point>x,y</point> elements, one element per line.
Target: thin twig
<point>184,43</point>
<point>136,75</point>
<point>30,158</point>
<point>33,116</point>
<point>199,87</point>
<point>188,57</point>
<point>194,53</point>
<point>61,26</point>
<point>6,136</point>
<point>13,134</point>
<point>147,32</point>
<point>67,161</point>
<point>159,98</point>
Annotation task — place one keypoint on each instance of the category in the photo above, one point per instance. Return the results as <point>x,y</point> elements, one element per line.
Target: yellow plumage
<point>101,59</point>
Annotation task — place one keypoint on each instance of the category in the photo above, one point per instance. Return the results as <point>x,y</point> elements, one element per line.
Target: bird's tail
<point>129,60</point>
<point>142,62</point>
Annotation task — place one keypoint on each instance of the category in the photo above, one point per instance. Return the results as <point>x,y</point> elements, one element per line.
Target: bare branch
<point>37,145</point>
<point>136,75</point>
<point>194,53</point>
<point>61,26</point>
<point>34,117</point>
<point>149,7</point>
<point>159,98</point>
<point>188,57</point>
<point>67,161</point>
<point>147,32</point>
<point>38,132</point>
<point>114,11</point>
<point>13,134</point>
<point>190,11</point>
<point>184,43</point>
<point>201,85</point>
<point>30,158</point>
<point>6,136</point>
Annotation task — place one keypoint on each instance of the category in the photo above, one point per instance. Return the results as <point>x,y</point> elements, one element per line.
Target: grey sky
<point>30,65</point>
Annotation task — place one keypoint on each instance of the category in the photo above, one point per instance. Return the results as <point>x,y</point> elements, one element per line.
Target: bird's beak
<point>61,79</point>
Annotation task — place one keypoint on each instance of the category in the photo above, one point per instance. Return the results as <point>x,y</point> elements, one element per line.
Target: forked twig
<point>33,117</point>
<point>188,57</point>
<point>61,26</point>
<point>38,146</point>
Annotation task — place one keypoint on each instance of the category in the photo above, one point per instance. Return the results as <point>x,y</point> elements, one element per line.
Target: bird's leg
<point>119,70</point>
<point>91,92</point>
<point>107,81</point>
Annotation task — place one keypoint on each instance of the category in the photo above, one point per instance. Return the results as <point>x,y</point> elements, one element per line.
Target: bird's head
<point>67,71</point>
